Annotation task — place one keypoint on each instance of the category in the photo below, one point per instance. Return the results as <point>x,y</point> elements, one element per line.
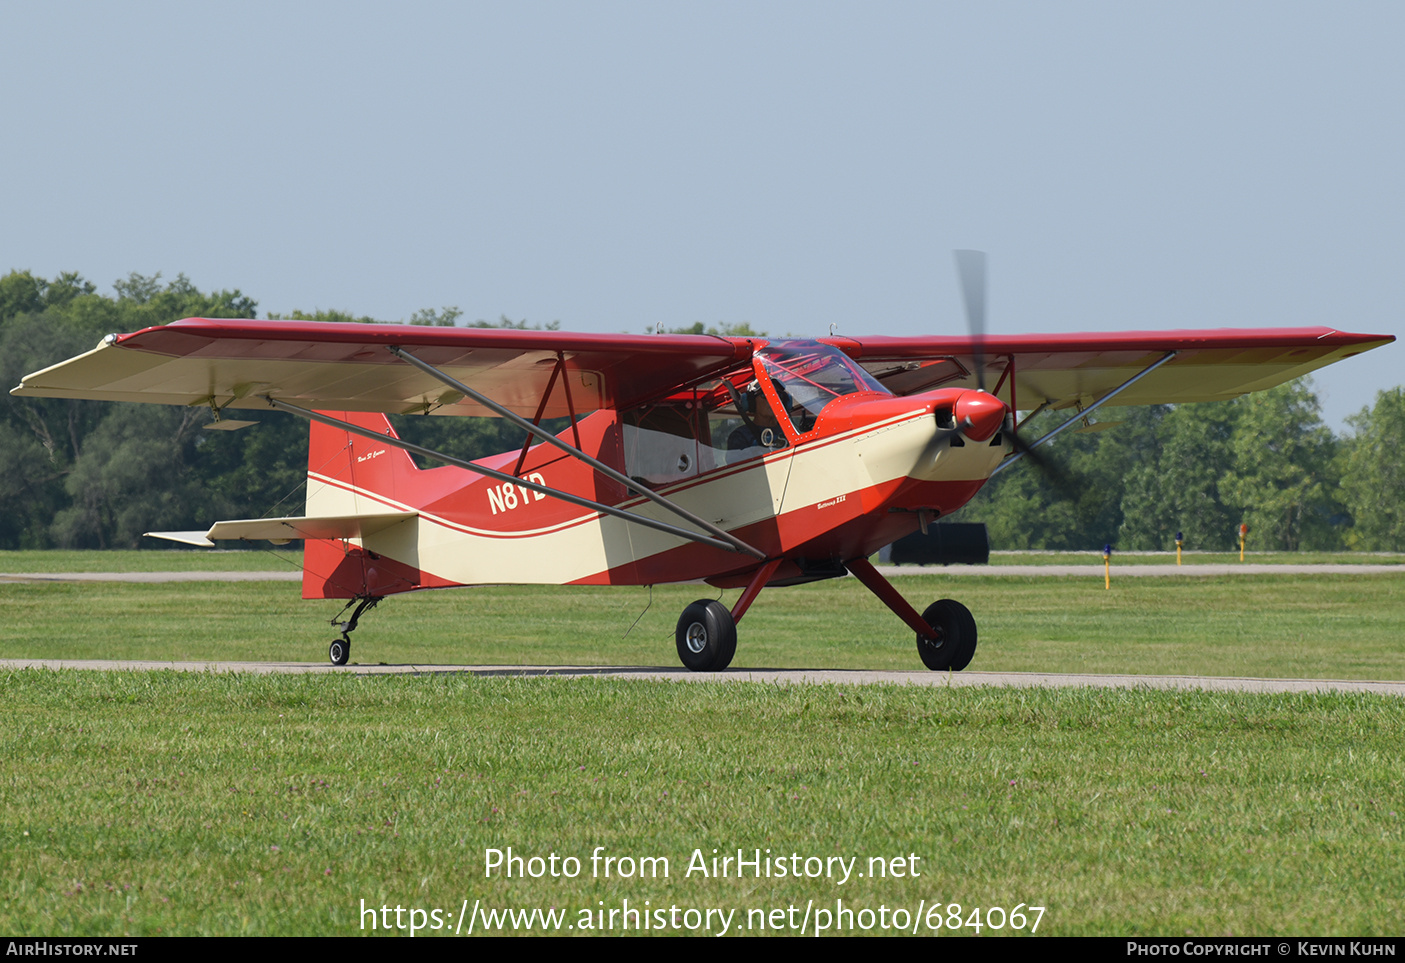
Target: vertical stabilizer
<point>346,472</point>
<point>354,475</point>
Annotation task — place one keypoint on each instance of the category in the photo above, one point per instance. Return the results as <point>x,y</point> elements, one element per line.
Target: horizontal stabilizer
<point>281,530</point>
<point>185,538</point>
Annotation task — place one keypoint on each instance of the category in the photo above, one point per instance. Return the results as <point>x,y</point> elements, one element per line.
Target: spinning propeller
<point>972,415</point>
<point>970,268</point>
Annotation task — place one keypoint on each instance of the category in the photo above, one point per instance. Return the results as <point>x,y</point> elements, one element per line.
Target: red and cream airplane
<point>745,462</point>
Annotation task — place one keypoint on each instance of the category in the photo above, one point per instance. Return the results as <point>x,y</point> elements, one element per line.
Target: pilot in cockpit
<point>760,430</point>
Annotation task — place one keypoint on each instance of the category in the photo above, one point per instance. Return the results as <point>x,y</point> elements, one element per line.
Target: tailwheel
<point>957,636</point>
<point>339,652</point>
<point>706,636</point>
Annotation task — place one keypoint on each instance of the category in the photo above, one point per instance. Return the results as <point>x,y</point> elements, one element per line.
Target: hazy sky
<point>1127,165</point>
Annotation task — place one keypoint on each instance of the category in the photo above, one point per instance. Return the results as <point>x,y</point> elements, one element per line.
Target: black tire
<point>339,651</point>
<point>706,636</point>
<point>953,651</point>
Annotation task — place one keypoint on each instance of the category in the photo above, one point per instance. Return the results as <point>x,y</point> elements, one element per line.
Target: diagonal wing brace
<point>731,544</point>
<point>1084,413</point>
<point>734,543</point>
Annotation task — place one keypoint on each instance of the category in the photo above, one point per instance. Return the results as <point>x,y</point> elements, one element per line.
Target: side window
<point>741,424</point>
<point>661,442</point>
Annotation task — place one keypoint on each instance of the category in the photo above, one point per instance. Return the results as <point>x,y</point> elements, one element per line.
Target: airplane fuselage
<point>854,482</point>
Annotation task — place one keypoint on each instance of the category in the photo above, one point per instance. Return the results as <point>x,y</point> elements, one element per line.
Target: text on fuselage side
<point>504,497</point>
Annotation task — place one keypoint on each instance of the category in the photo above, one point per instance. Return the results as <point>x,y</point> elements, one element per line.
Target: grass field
<point>139,803</point>
<point>159,560</point>
<point>1339,626</point>
<point>1191,559</point>
<point>165,803</point>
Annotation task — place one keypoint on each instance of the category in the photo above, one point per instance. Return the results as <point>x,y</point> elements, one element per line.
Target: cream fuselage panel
<point>904,446</point>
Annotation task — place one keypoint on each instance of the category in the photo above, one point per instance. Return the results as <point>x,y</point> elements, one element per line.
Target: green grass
<point>162,803</point>
<point>1094,556</point>
<point>1338,626</point>
<point>157,560</point>
<point>167,803</point>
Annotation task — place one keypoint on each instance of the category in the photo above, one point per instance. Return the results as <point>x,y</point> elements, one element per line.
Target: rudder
<point>350,474</point>
<point>344,470</point>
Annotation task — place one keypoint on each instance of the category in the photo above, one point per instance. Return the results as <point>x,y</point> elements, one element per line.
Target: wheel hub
<point>696,637</point>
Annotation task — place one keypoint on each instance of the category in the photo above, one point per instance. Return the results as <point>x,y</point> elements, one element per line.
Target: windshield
<point>809,375</point>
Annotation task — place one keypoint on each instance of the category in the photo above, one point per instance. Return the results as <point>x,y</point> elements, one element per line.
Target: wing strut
<point>556,371</point>
<point>1084,413</point>
<point>730,545</point>
<point>630,484</point>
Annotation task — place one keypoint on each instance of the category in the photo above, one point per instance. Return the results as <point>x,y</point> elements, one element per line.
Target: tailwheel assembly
<point>339,652</point>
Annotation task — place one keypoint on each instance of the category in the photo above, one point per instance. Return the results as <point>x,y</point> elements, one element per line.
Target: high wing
<point>1065,370</point>
<point>349,367</point>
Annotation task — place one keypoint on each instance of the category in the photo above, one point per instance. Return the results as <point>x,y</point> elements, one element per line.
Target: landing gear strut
<point>946,632</point>
<point>707,631</point>
<point>339,652</point>
<point>706,635</point>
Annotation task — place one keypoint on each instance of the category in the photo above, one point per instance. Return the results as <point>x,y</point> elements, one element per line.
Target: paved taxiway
<point>770,676</point>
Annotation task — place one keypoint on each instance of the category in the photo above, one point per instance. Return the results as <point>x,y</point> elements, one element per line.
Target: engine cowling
<point>979,414</point>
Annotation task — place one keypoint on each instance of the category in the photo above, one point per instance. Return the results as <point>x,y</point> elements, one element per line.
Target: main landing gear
<point>339,652</point>
<point>955,641</point>
<point>946,632</point>
<point>706,636</point>
<point>707,631</point>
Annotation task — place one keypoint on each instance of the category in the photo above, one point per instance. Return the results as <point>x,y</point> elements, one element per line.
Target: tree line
<point>97,475</point>
<point>1265,460</point>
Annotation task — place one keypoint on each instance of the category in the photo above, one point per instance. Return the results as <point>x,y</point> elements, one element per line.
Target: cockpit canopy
<point>808,375</point>
<point>733,419</point>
